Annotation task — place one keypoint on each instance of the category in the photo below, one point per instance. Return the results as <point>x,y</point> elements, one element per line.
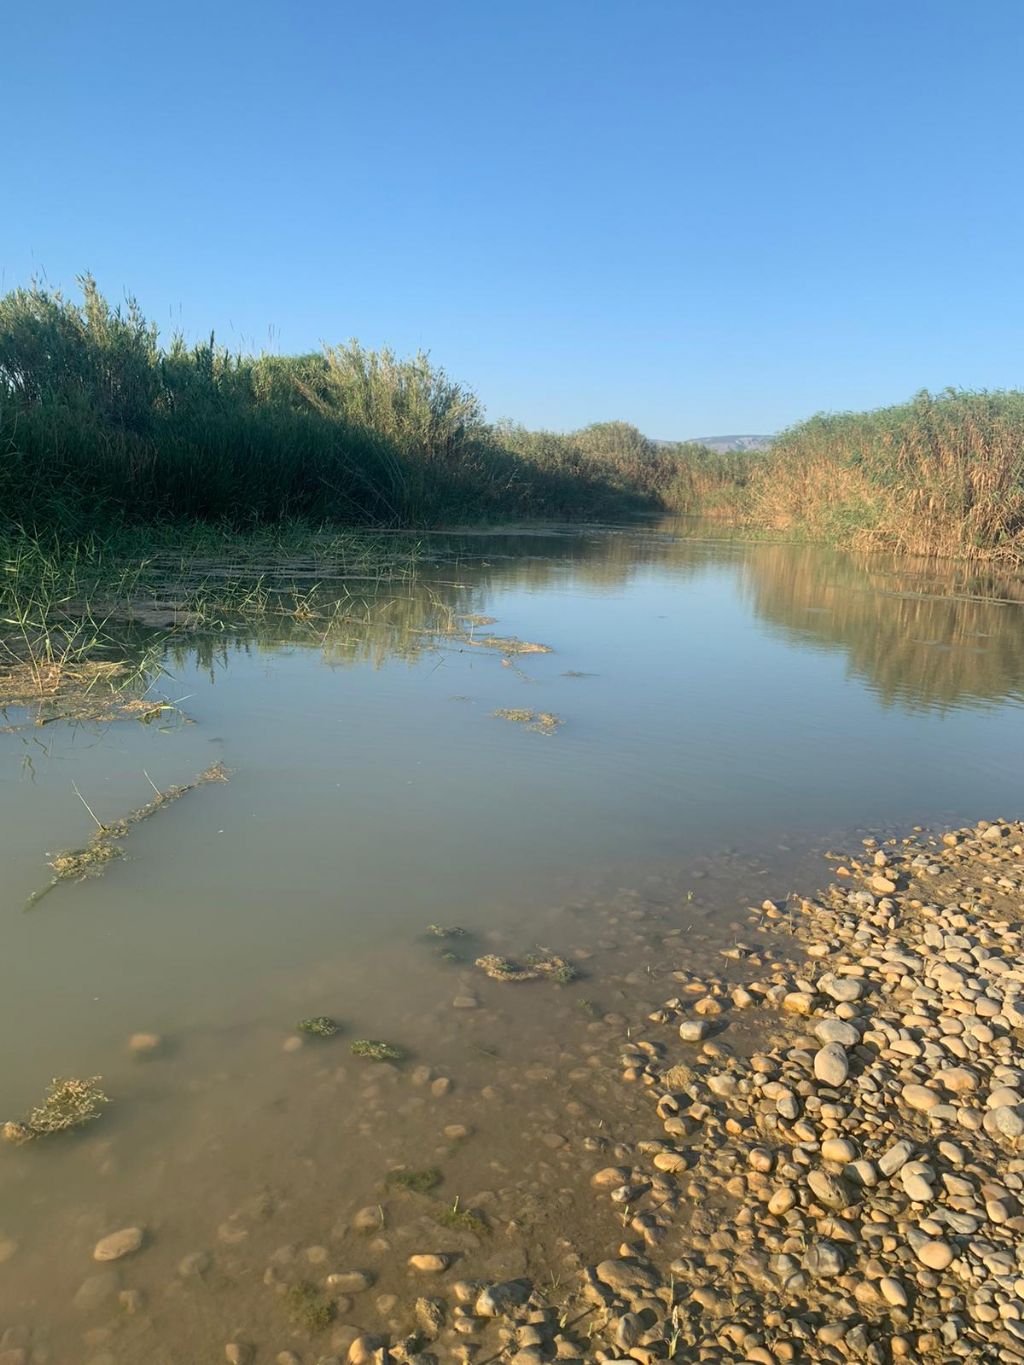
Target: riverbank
<point>852,1188</point>
<point>811,1152</point>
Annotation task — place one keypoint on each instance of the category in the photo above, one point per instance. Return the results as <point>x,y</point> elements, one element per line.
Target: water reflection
<point>920,634</point>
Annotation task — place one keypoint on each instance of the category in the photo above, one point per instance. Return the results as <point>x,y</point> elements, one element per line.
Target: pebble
<point>935,1255</point>
<point>429,1262</point>
<point>693,1030</point>
<point>831,1065</point>
<point>118,1244</point>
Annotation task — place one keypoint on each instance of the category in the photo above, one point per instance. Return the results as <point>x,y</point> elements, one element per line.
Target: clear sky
<point>703,216</point>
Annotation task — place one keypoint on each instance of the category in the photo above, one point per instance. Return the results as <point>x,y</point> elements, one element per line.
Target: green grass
<point>101,424</point>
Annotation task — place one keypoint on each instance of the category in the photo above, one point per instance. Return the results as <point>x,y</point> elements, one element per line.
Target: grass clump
<point>376,1051</point>
<point>69,1103</point>
<point>308,1307</point>
<point>420,1181</point>
<point>462,1220</point>
<point>319,1026</point>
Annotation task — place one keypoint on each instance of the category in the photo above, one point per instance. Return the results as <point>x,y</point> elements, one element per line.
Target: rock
<point>97,1290</point>
<point>842,988</point>
<point>429,1262</point>
<point>497,1299</point>
<point>364,1348</point>
<point>832,1030</point>
<point>237,1353</point>
<point>8,1247</point>
<point>896,1156</point>
<point>118,1244</point>
<point>892,1291</point>
<point>935,1255</point>
<point>831,1065</point>
<point>693,1030</point>
<point>782,1201</point>
<point>829,1190</point>
<point>348,1282</point>
<point>822,1260</point>
<point>465,1002</point>
<point>918,1189</point>
<point>838,1150</point>
<point>798,1002</point>
<point>885,886</point>
<point>368,1219</point>
<point>627,1273</point>
<point>1007,1120</point>
<point>920,1097</point>
<point>194,1265</point>
<point>145,1043</point>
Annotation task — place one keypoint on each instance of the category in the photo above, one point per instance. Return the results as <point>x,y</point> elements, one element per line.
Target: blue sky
<point>699,215</point>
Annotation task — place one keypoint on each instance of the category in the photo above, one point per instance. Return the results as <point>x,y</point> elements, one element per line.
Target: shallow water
<point>729,710</point>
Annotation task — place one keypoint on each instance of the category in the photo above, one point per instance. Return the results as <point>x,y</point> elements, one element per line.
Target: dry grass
<point>69,1103</point>
<point>941,475</point>
<point>92,859</point>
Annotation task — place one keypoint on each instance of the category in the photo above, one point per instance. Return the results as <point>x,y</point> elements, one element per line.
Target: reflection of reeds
<point>922,634</point>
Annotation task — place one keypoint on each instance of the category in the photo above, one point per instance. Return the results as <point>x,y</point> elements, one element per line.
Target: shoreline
<point>851,1190</point>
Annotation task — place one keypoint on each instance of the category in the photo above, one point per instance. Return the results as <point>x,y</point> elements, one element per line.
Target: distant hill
<point>724,443</point>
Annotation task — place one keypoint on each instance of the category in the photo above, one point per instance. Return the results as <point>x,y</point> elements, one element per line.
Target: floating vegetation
<point>320,1026</point>
<point>446,955</point>
<point>541,722</point>
<point>419,1181</point>
<point>589,1008</point>
<point>439,931</point>
<point>376,1051</point>
<point>511,645</point>
<point>308,1307</point>
<point>475,620</point>
<point>575,673</point>
<point>537,965</point>
<point>77,863</point>
<point>68,1104</point>
<point>463,1220</point>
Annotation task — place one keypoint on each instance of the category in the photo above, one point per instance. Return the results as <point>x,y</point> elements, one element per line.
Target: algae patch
<point>376,1051</point>
<point>536,967</point>
<point>320,1026</point>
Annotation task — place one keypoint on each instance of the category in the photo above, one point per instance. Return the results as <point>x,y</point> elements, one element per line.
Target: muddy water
<point>729,710</point>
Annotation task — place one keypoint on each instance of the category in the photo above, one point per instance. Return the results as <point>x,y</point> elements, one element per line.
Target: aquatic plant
<point>320,1026</point>
<point>308,1307</point>
<point>376,1051</point>
<point>441,931</point>
<point>462,1220</point>
<point>419,1181</point>
<point>537,965</point>
<point>541,722</point>
<point>69,1103</point>
<point>90,861</point>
